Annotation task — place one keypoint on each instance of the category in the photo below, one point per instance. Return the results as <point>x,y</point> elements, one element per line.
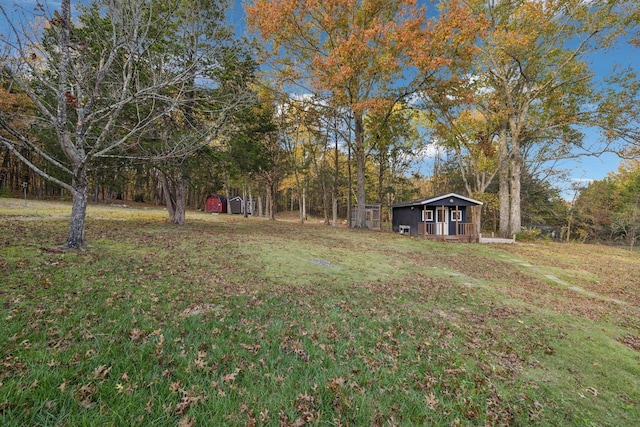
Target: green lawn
<point>234,321</point>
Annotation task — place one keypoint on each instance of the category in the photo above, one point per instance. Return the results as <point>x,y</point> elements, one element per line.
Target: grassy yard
<point>234,321</point>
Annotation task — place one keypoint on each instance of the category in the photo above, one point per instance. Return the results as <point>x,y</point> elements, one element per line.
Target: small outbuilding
<point>449,217</point>
<point>235,205</point>
<point>372,213</point>
<point>215,203</point>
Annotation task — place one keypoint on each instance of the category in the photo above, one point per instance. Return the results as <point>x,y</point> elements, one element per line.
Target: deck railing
<point>435,229</point>
<point>466,229</point>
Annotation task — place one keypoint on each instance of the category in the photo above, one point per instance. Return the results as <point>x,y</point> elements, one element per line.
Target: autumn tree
<point>534,86</point>
<point>15,108</point>
<point>364,55</point>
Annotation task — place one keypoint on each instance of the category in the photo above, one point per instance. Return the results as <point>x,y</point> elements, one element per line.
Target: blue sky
<point>582,169</point>
<point>590,168</point>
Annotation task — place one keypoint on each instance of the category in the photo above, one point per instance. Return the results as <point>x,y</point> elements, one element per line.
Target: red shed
<point>215,204</point>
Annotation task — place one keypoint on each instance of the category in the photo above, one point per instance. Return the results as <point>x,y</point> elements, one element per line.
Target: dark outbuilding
<point>235,205</point>
<point>447,217</point>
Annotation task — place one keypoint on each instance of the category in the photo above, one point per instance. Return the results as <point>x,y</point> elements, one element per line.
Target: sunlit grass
<point>234,321</point>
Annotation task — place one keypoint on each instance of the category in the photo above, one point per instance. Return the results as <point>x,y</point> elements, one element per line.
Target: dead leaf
<point>187,422</point>
<point>229,378</point>
<point>136,334</point>
<point>432,400</point>
<point>101,372</point>
<point>201,361</point>
<point>175,386</point>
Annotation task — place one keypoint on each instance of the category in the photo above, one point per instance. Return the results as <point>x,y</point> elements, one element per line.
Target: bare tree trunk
<point>381,170</point>
<point>175,195</point>
<point>227,192</point>
<point>244,201</point>
<point>75,239</point>
<point>336,177</point>
<point>360,171</point>
<point>515,220</point>
<point>349,181</point>
<point>303,207</point>
<point>504,182</point>
<point>271,210</point>
<point>291,201</point>
<point>325,200</point>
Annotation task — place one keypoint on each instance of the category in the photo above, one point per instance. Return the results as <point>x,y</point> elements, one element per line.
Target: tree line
<point>326,106</point>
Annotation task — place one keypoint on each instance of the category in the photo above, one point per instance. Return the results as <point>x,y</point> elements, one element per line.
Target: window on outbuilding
<point>427,215</point>
<point>456,216</point>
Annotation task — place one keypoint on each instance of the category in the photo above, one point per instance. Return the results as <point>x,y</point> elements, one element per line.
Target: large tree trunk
<point>325,200</point>
<point>75,240</point>
<point>244,201</point>
<point>504,183</point>
<point>271,202</point>
<point>175,194</point>
<point>349,185</point>
<point>336,177</point>
<point>227,192</point>
<point>360,171</point>
<point>515,220</point>
<point>179,209</point>
<point>381,171</point>
<point>303,208</point>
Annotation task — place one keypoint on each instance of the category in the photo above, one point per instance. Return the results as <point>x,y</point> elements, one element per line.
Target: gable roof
<point>218,196</point>
<point>434,200</point>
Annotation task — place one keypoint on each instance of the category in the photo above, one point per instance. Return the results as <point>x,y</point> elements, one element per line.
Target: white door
<point>442,228</point>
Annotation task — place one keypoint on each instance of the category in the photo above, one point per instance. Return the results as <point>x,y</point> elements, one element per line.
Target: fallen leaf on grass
<point>200,361</point>
<point>136,334</point>
<point>187,422</point>
<point>229,378</point>
<point>189,398</point>
<point>432,400</point>
<point>175,386</point>
<point>336,383</point>
<point>101,372</point>
<point>252,348</point>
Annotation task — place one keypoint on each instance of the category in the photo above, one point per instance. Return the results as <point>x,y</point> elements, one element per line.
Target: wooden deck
<point>465,232</point>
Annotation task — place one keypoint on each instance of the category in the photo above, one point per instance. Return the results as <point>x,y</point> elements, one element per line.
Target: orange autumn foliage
<point>357,50</point>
